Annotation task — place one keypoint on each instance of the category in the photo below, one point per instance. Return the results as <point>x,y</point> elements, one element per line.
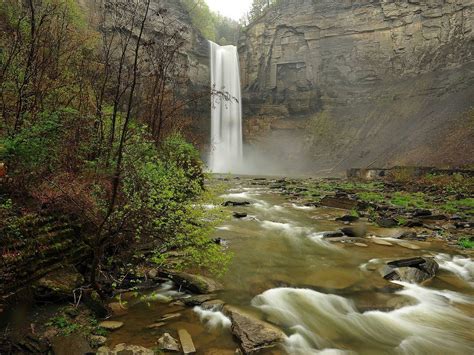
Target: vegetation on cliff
<point>93,125</point>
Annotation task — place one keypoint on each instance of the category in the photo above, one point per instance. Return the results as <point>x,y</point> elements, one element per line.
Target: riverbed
<point>327,297</point>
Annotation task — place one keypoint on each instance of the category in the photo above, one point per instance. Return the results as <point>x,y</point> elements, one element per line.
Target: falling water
<point>226,115</point>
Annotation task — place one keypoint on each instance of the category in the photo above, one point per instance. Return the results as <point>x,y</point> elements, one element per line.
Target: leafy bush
<point>466,243</point>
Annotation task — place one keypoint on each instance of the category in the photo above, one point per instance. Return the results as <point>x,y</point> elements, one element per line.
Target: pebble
<point>409,246</point>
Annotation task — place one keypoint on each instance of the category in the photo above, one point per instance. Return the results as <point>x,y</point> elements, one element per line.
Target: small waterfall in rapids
<point>226,115</point>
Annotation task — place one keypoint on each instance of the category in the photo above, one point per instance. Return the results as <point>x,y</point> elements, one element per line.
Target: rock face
<point>253,334</point>
<point>376,69</point>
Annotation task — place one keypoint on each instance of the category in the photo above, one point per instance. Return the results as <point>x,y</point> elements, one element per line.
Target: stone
<point>333,234</point>
<point>240,215</point>
<point>111,325</point>
<point>412,271</point>
<point>215,305</point>
<point>421,213</point>
<point>362,245</point>
<point>156,325</point>
<point>59,283</point>
<point>235,203</point>
<point>194,283</point>
<point>347,218</point>
<point>439,217</point>
<point>411,236</point>
<point>186,342</point>
<point>168,343</point>
<point>97,340</point>
<point>386,222</point>
<point>379,241</point>
<point>169,316</point>
<point>339,202</point>
<point>253,334</point>
<point>73,344</point>
<point>198,300</point>
<point>124,349</point>
<point>358,231</point>
<point>413,223</point>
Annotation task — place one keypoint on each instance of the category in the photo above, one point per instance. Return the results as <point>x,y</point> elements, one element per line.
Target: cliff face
<point>380,81</point>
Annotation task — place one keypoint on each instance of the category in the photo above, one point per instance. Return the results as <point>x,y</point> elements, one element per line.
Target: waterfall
<point>226,115</point>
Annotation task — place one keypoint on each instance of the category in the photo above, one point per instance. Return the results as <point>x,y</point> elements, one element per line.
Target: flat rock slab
<point>362,245</point>
<point>339,202</point>
<point>382,242</point>
<point>111,325</point>
<point>73,344</point>
<point>198,300</point>
<point>168,343</point>
<point>156,325</point>
<point>253,334</point>
<point>186,342</point>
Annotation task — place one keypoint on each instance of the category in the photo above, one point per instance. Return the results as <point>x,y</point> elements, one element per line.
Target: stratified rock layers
<point>393,78</point>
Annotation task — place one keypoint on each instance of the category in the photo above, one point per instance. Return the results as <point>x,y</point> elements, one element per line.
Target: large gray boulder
<point>253,334</point>
<point>194,283</point>
<point>415,270</point>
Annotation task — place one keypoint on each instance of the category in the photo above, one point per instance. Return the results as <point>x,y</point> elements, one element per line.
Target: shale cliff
<point>362,83</point>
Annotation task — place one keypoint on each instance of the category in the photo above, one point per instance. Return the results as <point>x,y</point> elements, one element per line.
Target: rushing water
<point>328,298</point>
<point>226,114</point>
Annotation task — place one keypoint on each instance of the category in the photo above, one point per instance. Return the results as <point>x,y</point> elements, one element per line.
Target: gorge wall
<point>342,84</point>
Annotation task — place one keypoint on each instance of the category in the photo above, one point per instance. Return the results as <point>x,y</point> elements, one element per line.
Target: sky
<point>234,9</point>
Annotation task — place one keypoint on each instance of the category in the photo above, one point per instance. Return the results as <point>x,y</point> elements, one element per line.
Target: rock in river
<point>358,231</point>
<point>235,203</point>
<point>122,349</point>
<point>239,215</point>
<point>168,343</point>
<point>111,325</point>
<point>194,283</point>
<point>415,270</point>
<point>253,334</point>
<point>186,342</point>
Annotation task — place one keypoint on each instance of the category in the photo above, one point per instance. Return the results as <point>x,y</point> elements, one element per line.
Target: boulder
<point>240,215</point>
<point>347,218</point>
<point>253,334</point>
<point>386,222</point>
<point>70,345</point>
<point>421,213</point>
<point>411,236</point>
<point>118,308</point>
<point>60,283</point>
<point>358,231</point>
<point>194,283</point>
<point>198,300</point>
<point>339,202</point>
<point>186,342</point>
<point>168,343</point>
<point>333,234</point>
<point>96,340</point>
<point>416,270</point>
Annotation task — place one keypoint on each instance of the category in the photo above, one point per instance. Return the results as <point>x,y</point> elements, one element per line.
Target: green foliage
<point>466,243</point>
<point>457,206</point>
<point>214,27</point>
<point>406,200</point>
<point>65,325</point>
<point>371,196</point>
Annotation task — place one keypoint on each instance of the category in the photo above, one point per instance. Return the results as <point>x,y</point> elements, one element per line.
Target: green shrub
<point>371,196</point>
<point>407,200</point>
<point>466,243</point>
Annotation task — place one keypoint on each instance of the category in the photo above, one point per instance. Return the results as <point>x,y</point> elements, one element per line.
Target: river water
<point>328,298</point>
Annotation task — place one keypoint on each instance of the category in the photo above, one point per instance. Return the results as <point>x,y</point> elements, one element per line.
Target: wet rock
<point>333,234</point>
<point>386,222</point>
<point>215,305</point>
<point>253,334</point>
<point>60,283</point>
<point>339,202</point>
<point>240,215</point>
<point>362,245</point>
<point>235,203</point>
<point>421,213</point>
<point>168,343</point>
<point>381,242</point>
<point>198,300</point>
<point>73,345</point>
<point>347,218</point>
<point>156,325</point>
<point>194,283</point>
<point>169,316</point>
<point>186,342</point>
<point>96,340</point>
<point>111,325</point>
<point>411,271</point>
<point>411,236</point>
<point>124,349</point>
<point>358,231</point>
<point>413,223</point>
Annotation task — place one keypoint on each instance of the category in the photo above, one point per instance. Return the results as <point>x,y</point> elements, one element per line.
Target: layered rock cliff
<point>359,83</point>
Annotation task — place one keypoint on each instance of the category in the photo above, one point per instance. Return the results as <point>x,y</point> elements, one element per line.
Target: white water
<point>325,323</point>
<point>226,115</point>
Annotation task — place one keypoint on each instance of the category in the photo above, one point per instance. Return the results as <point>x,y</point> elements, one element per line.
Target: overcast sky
<point>234,9</point>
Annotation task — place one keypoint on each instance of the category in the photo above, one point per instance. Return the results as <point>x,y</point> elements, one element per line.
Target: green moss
<point>466,243</point>
<point>458,206</point>
<point>407,200</point>
<point>371,196</point>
